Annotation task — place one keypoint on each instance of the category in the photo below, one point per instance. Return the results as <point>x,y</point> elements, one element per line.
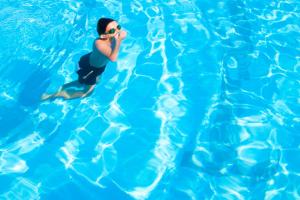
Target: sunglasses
<point>113,30</point>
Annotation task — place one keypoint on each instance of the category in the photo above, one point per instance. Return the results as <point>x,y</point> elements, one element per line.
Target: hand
<point>121,35</point>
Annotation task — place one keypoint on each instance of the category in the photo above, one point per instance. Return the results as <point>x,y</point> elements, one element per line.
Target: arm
<point>114,54</point>
<point>106,50</point>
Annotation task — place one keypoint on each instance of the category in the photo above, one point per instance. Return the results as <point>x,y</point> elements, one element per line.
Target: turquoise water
<point>203,102</point>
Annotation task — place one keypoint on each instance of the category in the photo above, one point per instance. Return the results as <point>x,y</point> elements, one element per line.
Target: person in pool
<point>92,65</point>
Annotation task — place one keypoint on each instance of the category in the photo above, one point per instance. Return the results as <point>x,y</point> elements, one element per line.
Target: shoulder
<point>100,44</point>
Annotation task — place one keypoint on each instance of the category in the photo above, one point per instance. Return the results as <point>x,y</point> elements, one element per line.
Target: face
<point>112,25</point>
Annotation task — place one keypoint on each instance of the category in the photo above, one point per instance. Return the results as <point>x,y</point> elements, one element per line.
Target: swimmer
<point>92,65</point>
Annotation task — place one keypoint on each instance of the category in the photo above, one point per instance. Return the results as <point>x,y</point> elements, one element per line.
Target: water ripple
<point>203,102</point>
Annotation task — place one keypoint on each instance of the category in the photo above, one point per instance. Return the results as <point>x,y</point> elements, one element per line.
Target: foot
<point>46,96</point>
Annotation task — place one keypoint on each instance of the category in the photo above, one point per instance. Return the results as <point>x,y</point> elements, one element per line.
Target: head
<point>107,27</point>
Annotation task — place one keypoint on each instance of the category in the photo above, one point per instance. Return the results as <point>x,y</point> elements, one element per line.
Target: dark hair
<point>102,24</point>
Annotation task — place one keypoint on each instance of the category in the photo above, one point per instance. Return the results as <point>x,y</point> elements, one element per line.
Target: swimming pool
<point>203,102</point>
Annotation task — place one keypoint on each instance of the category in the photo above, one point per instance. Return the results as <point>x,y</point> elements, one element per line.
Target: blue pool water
<point>203,103</point>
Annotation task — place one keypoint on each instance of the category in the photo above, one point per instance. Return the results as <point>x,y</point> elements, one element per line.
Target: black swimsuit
<point>87,74</point>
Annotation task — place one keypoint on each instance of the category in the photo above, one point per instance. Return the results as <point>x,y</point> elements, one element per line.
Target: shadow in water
<point>13,113</point>
<point>33,88</point>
